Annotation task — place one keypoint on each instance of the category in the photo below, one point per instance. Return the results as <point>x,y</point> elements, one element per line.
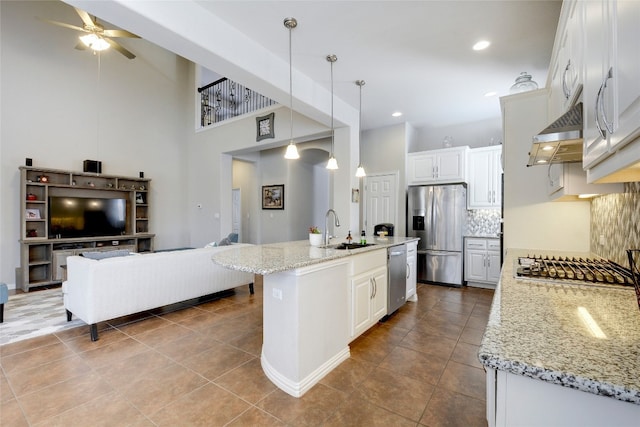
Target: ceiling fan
<point>97,38</point>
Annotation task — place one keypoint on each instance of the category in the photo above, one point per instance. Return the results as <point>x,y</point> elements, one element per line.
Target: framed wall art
<point>264,127</point>
<point>273,196</point>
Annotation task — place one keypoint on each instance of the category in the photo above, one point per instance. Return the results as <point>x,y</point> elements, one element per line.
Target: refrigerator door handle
<point>442,253</point>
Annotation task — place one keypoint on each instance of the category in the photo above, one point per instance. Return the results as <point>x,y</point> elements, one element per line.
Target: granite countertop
<point>536,329</point>
<point>277,257</point>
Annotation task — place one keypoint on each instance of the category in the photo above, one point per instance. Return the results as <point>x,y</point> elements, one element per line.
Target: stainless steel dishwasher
<point>397,273</point>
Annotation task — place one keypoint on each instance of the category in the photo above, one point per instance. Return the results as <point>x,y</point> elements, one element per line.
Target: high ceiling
<point>415,56</point>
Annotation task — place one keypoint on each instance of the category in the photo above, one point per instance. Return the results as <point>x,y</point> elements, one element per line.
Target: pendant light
<point>332,163</point>
<point>360,171</point>
<point>292,150</point>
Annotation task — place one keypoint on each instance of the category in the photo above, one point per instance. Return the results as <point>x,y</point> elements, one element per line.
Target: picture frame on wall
<point>264,127</point>
<point>273,196</point>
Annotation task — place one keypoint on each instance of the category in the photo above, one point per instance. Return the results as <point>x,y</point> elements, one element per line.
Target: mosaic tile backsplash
<point>483,222</point>
<point>617,218</point>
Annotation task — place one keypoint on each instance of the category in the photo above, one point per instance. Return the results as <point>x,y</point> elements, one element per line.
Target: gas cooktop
<point>576,270</point>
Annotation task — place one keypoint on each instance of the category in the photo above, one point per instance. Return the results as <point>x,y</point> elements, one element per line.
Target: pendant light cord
<point>332,131</point>
<point>290,90</point>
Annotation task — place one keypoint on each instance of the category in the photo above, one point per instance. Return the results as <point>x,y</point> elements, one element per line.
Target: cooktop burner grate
<point>577,269</point>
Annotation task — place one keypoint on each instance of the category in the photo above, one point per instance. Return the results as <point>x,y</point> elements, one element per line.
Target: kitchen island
<point>316,300</point>
<point>561,354</point>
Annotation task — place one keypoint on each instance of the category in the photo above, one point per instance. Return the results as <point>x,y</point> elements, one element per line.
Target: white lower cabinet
<point>412,271</point>
<point>368,291</point>
<point>482,262</point>
<point>515,400</point>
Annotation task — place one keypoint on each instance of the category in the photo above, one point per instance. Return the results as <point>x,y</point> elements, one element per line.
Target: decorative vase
<point>315,239</point>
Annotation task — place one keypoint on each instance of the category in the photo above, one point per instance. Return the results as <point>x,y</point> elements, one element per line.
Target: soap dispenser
<point>349,238</point>
<point>363,238</point>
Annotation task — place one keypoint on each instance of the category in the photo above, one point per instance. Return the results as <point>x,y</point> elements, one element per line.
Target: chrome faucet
<point>326,225</point>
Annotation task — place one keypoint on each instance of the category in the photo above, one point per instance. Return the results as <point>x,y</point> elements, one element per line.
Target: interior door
<point>236,213</point>
<point>381,201</point>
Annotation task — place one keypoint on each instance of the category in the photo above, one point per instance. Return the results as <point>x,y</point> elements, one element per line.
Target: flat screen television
<point>86,216</point>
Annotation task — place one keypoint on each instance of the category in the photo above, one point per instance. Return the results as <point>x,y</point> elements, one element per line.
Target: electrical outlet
<point>277,293</point>
<point>602,240</point>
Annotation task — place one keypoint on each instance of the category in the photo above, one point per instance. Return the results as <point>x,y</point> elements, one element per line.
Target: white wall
<point>475,134</point>
<point>530,220</point>
<point>56,111</point>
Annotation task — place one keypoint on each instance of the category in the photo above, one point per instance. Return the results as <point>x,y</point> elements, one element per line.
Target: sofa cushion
<point>224,242</point>
<point>98,255</point>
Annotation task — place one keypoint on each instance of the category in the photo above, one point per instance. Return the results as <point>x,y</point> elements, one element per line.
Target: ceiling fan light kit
<point>97,38</point>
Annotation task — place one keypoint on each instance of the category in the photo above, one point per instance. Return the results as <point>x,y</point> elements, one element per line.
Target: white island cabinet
<point>316,300</point>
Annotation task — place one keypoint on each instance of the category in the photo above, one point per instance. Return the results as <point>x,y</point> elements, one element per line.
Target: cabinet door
<point>412,273</point>
<point>626,69</point>
<point>421,168</point>
<point>597,88</point>
<point>379,301</point>
<point>480,185</point>
<point>361,314</point>
<point>475,265</point>
<point>450,166</point>
<point>493,266</point>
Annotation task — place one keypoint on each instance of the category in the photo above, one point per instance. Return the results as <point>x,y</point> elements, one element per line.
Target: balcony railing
<point>225,99</point>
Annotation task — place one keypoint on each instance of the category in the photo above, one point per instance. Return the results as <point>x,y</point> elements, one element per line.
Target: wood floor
<point>200,365</point>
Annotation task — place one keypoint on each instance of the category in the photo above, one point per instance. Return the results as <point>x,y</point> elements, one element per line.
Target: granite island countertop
<point>536,329</point>
<point>276,257</point>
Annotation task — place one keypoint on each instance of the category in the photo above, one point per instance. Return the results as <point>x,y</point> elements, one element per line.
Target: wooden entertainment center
<point>43,256</point>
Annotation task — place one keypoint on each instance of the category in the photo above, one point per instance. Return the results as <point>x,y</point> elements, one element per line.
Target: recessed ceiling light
<point>490,94</point>
<point>481,45</point>
<point>397,114</point>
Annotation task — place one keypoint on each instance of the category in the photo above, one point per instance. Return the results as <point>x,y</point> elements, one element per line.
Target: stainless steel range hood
<point>561,141</point>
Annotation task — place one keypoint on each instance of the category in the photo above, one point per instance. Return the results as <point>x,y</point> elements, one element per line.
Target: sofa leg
<point>251,288</point>
<point>69,315</point>
<point>94,332</point>
<point>1,313</point>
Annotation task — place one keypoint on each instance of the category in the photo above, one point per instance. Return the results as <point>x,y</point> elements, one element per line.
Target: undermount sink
<point>351,245</point>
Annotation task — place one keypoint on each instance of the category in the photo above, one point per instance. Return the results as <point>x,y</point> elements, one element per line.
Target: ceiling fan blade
<point>62,24</point>
<point>86,18</point>
<point>120,48</point>
<point>119,33</point>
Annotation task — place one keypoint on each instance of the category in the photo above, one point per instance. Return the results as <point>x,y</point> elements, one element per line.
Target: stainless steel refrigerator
<point>437,214</point>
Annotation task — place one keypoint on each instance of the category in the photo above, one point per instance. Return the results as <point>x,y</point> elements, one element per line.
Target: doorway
<point>381,200</point>
<point>236,213</point>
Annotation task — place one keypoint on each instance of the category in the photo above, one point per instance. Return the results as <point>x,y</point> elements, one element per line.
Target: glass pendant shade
<point>360,172</point>
<point>292,152</point>
<point>523,84</point>
<point>94,42</point>
<point>332,164</point>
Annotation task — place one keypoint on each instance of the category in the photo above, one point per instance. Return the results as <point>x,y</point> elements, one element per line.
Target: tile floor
<point>200,365</point>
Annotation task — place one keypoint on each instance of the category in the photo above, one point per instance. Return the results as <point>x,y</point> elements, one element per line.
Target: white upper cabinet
<point>612,87</point>
<point>567,65</point>
<point>437,166</point>
<point>484,177</point>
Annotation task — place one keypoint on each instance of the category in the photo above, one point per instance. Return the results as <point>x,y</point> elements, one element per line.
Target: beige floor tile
<point>52,401</point>
<point>449,409</point>
<point>434,345</point>
<point>45,375</point>
<point>312,409</point>
<point>348,376</point>
<point>359,412</point>
<point>400,394</point>
<point>256,417</point>
<point>464,379</point>
<point>151,393</point>
<point>113,353</point>
<point>414,364</point>
<point>11,414</point>
<point>472,335</point>
<point>209,405</point>
<point>467,354</point>
<point>113,410</point>
<point>120,374</point>
<point>35,357</point>
<point>217,360</point>
<point>247,381</point>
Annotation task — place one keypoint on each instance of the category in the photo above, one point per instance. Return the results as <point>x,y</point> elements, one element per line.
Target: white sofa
<point>99,290</point>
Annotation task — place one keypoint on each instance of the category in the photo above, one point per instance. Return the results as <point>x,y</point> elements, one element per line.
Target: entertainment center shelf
<point>46,240</point>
